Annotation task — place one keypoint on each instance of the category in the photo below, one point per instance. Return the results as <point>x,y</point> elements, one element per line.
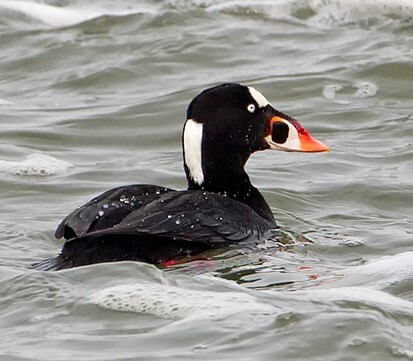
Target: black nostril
<point>279,132</point>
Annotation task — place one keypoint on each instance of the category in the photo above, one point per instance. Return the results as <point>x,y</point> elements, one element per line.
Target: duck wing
<point>153,224</point>
<point>108,209</point>
<point>191,216</point>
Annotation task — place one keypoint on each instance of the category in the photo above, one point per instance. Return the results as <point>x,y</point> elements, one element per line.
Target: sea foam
<point>172,302</point>
<point>324,12</point>
<point>35,165</point>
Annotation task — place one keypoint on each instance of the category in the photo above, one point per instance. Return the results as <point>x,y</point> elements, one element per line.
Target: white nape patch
<point>258,97</point>
<point>193,150</point>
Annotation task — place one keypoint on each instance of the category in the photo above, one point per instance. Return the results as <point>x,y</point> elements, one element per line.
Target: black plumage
<point>221,207</point>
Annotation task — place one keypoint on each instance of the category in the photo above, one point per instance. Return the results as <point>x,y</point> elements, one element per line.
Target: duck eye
<point>279,133</point>
<point>251,108</point>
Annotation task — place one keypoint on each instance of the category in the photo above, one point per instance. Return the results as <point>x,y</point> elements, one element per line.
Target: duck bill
<point>289,135</point>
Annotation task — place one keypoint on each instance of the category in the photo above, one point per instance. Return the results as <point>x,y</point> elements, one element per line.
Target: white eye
<point>251,108</point>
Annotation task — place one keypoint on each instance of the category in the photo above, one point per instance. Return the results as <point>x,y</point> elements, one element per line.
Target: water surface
<point>93,95</point>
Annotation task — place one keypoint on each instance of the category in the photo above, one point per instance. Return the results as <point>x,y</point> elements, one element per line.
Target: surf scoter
<point>225,125</point>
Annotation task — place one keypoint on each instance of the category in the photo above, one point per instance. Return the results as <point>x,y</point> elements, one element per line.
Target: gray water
<point>93,95</point>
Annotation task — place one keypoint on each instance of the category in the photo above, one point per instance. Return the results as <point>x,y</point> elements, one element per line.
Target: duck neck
<point>226,175</point>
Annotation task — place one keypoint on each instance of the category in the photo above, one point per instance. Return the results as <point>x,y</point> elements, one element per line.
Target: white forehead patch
<point>258,97</point>
<point>193,150</point>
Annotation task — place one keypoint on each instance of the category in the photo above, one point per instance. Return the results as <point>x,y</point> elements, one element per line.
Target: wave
<point>310,11</point>
<point>56,16</point>
<point>371,305</point>
<point>374,285</point>
<point>47,14</point>
<point>314,11</point>
<point>388,273</point>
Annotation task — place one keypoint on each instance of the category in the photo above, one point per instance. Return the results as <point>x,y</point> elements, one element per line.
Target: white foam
<point>364,295</point>
<point>386,272</point>
<point>371,284</point>
<point>73,14</point>
<point>351,242</point>
<point>340,94</point>
<point>343,11</point>
<point>172,302</point>
<point>322,11</point>
<point>329,91</point>
<point>365,89</point>
<point>48,14</point>
<point>5,102</point>
<point>270,8</point>
<point>35,165</point>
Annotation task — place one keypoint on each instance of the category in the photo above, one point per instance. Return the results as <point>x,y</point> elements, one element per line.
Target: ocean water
<point>93,95</point>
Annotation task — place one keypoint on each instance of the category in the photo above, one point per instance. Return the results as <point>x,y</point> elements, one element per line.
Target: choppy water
<point>93,95</point>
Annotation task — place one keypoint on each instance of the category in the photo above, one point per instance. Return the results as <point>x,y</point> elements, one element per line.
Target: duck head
<point>226,124</point>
